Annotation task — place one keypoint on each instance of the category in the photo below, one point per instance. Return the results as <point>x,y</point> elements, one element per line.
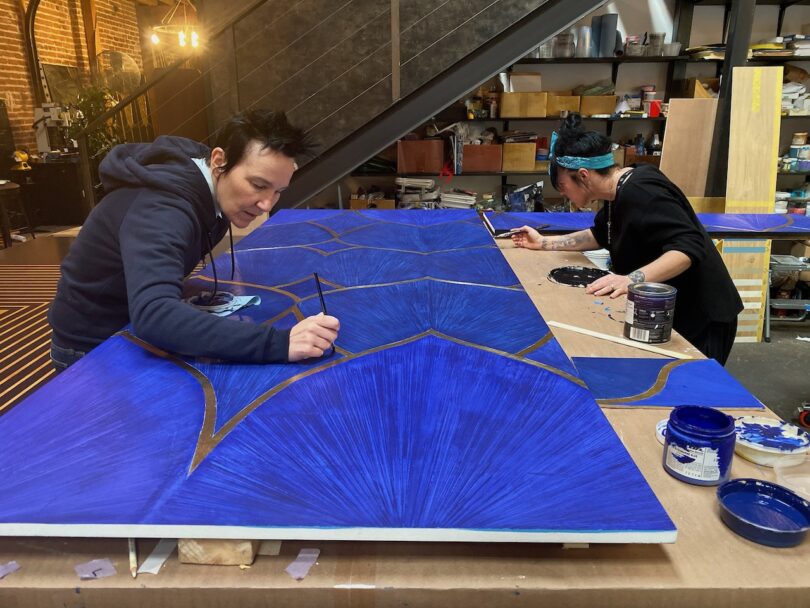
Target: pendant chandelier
<point>180,24</point>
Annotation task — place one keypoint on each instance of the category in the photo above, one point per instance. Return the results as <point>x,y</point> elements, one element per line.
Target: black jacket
<point>651,216</point>
<point>133,252</point>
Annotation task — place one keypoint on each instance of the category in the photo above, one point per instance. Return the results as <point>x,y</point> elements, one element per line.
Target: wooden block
<point>523,105</point>
<point>597,104</point>
<point>687,145</point>
<point>519,157</point>
<point>215,552</point>
<point>481,159</point>
<point>420,156</point>
<point>556,103</point>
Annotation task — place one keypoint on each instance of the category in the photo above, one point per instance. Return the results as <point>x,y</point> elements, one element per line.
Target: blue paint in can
<point>650,312</point>
<point>699,445</point>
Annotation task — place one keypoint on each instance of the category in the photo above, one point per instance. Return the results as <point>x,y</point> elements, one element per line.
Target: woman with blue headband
<point>652,234</point>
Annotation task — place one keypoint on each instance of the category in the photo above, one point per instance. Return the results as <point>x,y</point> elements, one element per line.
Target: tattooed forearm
<point>567,242</point>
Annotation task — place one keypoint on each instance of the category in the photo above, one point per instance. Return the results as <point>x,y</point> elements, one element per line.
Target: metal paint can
<point>649,312</point>
<point>699,445</point>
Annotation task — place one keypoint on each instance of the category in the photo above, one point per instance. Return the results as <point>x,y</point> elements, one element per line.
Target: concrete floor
<point>777,373</point>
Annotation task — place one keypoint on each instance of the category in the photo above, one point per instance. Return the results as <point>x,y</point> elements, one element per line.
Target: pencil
<point>133,558</point>
<point>320,293</point>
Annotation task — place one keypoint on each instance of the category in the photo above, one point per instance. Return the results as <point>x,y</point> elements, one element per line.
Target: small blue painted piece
<point>699,445</point>
<point>764,512</point>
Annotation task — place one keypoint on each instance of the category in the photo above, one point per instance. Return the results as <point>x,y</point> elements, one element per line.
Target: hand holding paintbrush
<point>314,336</point>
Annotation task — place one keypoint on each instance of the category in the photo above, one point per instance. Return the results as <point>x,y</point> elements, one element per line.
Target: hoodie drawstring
<point>233,258</point>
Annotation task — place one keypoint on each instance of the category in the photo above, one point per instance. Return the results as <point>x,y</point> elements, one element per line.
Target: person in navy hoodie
<point>167,204</point>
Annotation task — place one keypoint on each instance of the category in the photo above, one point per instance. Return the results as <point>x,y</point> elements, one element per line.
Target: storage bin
<point>556,103</point>
<point>597,104</point>
<point>523,105</point>
<point>482,158</point>
<point>420,156</point>
<point>519,157</point>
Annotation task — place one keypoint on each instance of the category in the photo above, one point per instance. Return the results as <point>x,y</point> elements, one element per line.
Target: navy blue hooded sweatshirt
<point>129,261</point>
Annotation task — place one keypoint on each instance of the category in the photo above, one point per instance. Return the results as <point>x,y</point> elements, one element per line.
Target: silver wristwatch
<point>636,276</point>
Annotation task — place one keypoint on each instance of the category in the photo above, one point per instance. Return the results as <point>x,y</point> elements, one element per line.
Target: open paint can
<point>699,445</point>
<point>649,313</point>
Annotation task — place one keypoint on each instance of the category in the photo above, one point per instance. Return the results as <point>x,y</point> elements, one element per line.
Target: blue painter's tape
<point>728,249</point>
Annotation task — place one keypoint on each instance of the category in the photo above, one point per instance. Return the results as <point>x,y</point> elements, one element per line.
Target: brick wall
<point>60,40</point>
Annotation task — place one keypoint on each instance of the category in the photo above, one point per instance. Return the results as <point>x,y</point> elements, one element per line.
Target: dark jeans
<point>62,358</point>
<point>716,340</point>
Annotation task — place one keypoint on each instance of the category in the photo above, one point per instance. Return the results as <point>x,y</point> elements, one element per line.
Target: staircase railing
<point>131,117</point>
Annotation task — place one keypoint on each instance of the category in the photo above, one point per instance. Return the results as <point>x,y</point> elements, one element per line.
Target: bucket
<point>649,313</point>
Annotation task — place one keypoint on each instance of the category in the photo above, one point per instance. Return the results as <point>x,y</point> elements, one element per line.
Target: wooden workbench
<point>707,566</point>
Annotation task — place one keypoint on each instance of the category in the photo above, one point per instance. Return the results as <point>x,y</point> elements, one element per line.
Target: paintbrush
<point>320,292</point>
<point>331,351</point>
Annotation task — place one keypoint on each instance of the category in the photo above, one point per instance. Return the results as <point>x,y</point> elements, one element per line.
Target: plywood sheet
<point>756,98</point>
<point>687,144</point>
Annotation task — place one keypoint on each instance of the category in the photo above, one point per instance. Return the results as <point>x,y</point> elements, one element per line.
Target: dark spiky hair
<point>573,141</point>
<point>270,129</point>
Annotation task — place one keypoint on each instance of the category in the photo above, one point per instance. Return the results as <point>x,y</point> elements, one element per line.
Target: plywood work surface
<point>572,306</point>
<point>709,566</point>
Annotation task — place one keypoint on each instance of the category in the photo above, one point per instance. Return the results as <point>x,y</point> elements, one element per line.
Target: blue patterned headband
<point>580,162</point>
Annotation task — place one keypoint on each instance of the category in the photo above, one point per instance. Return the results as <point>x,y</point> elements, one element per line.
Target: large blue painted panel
<point>447,406</point>
<point>663,382</point>
<point>716,224</point>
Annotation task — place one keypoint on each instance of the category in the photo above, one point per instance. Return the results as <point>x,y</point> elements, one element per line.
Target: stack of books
<point>458,199</point>
<point>515,137</point>
<point>416,193</point>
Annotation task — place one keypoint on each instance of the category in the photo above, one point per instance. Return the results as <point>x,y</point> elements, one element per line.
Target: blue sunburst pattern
<point>447,406</point>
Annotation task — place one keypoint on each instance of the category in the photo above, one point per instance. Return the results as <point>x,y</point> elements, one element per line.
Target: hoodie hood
<point>164,164</point>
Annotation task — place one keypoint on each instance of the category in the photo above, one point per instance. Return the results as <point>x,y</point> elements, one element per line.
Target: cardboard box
<point>380,203</point>
<point>525,82</point>
<point>597,104</point>
<point>482,159</point>
<point>802,250</point>
<point>420,156</point>
<point>523,105</point>
<point>519,157</point>
<point>695,88</point>
<point>556,103</point>
<point>630,157</point>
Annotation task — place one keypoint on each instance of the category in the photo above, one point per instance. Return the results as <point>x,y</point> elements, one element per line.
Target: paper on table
<point>6,569</point>
<point>299,568</point>
<point>96,568</point>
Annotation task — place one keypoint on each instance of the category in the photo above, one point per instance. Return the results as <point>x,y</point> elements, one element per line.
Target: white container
<point>770,442</point>
<point>599,257</point>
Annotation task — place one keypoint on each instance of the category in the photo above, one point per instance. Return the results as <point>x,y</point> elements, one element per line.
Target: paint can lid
<point>764,512</point>
<point>653,290</point>
<point>769,435</point>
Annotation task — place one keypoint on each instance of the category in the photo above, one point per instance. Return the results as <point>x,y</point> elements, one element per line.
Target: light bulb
<point>181,38</point>
<point>155,38</point>
<point>195,39</point>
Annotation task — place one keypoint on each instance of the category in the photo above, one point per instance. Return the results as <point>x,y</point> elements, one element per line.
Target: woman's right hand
<point>527,238</point>
<point>312,337</point>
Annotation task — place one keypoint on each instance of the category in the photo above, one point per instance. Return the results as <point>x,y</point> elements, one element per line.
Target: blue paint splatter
<point>780,437</point>
<point>683,458</point>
